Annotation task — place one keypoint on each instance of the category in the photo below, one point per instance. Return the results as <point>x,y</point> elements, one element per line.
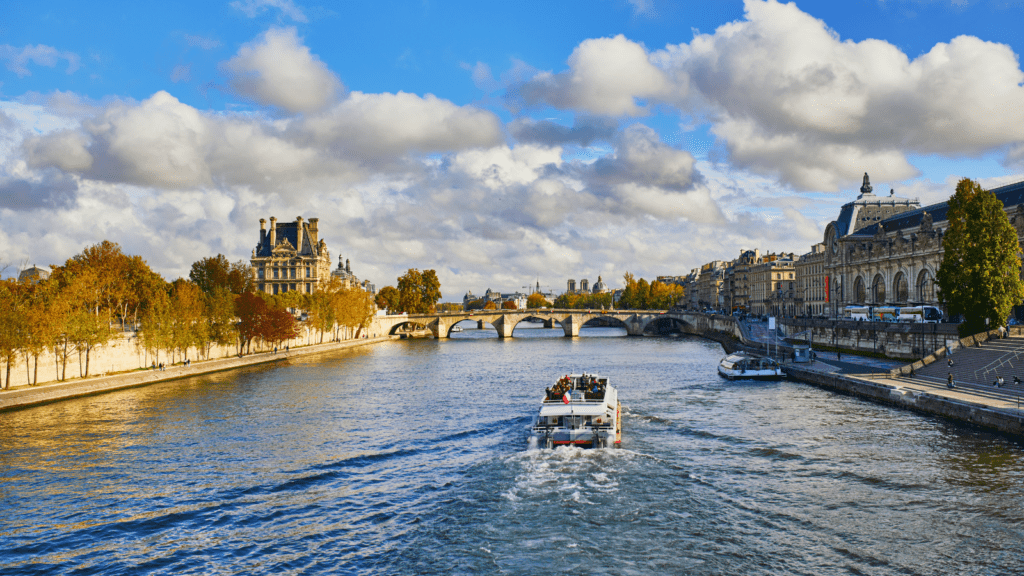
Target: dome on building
<point>600,287</point>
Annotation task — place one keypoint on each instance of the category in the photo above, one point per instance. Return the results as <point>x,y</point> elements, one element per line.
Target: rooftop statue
<point>866,188</point>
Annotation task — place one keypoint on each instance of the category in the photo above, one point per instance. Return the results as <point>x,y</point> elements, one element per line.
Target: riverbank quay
<point>26,396</point>
<point>996,409</point>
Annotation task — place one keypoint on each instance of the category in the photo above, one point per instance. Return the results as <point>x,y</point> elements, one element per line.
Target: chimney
<point>298,247</point>
<point>273,232</point>
<point>263,231</point>
<point>313,235</point>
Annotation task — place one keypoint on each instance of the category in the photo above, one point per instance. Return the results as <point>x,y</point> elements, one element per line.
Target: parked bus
<point>857,312</point>
<point>929,314</point>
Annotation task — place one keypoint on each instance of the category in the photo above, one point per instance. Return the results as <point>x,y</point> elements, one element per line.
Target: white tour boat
<point>742,366</point>
<point>579,410</point>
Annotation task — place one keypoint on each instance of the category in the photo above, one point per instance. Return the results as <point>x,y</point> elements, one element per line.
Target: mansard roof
<point>1009,195</point>
<point>289,231</point>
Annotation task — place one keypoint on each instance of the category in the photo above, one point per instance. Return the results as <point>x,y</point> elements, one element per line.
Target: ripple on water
<point>414,458</point>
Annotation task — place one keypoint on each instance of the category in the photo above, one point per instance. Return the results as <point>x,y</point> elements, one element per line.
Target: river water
<point>412,457</point>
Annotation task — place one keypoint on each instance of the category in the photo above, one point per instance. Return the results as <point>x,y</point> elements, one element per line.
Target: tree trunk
<point>88,349</point>
<point>35,372</point>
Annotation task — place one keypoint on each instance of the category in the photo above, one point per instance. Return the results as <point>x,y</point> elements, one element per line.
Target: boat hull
<point>750,375</point>
<point>587,414</point>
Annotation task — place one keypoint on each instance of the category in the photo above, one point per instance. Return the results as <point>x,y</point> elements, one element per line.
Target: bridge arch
<point>406,327</point>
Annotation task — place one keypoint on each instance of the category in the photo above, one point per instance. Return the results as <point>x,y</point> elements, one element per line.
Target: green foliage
<point>537,300</point>
<point>388,298</point>
<point>418,291</point>
<point>584,301</point>
<point>980,272</point>
<point>639,295</point>
<point>216,272</point>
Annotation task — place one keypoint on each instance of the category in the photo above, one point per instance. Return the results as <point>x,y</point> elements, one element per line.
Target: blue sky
<point>498,143</point>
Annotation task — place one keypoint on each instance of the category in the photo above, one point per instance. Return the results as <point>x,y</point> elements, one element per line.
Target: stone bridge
<point>505,321</point>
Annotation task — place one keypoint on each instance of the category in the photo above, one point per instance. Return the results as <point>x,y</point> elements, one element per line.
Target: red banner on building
<point>828,291</point>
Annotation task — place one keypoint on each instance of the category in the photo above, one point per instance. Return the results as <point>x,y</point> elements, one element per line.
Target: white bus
<point>857,312</point>
<point>929,314</point>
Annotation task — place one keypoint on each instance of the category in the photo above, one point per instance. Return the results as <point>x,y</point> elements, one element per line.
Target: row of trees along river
<point>102,292</point>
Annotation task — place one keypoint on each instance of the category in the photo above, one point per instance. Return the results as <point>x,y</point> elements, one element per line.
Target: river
<point>412,457</point>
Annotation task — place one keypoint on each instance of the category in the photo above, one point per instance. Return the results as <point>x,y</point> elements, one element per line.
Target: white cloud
<point>375,125</point>
<point>277,70</point>
<point>254,8</point>
<point>17,59</point>
<point>789,97</point>
<point>606,76</point>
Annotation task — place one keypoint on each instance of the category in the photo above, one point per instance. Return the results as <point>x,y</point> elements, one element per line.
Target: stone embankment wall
<point>35,395</point>
<point>125,353</point>
<point>722,329</point>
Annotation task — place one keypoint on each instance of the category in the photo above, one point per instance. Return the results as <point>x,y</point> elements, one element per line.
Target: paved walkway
<point>932,379</point>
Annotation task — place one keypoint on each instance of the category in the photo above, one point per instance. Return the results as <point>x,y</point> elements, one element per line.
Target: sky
<point>501,144</point>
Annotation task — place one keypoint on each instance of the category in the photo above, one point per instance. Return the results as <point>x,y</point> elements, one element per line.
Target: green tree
<point>216,272</point>
<point>12,324</point>
<point>418,291</point>
<point>157,323</point>
<point>388,298</point>
<point>536,300</point>
<point>220,318</point>
<point>980,272</point>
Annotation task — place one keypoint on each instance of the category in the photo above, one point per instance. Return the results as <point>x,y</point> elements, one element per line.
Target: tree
<point>217,272</point>
<point>490,305</point>
<point>418,291</point>
<point>220,318</point>
<point>12,324</point>
<point>252,312</point>
<point>536,300</point>
<point>157,319</point>
<point>980,272</point>
<point>388,298</point>
<point>509,305</point>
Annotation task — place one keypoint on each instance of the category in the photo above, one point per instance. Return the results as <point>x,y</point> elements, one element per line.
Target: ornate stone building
<point>878,249</point>
<point>290,256</point>
<point>895,260</point>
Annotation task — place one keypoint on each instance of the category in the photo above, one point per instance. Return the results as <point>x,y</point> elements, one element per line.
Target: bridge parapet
<point>505,321</point>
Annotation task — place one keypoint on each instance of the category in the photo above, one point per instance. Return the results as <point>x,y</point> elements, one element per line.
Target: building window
<point>275,274</point>
<point>307,273</point>
<point>275,288</point>
<point>293,273</point>
<point>308,290</point>
<point>259,273</point>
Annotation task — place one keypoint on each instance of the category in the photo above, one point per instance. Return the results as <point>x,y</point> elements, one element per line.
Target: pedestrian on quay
<point>1016,380</point>
<point>949,381</point>
<point>949,362</point>
<point>999,382</point>
<point>839,355</point>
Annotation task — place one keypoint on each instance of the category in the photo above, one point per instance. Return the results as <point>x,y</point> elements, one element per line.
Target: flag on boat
<point>565,398</point>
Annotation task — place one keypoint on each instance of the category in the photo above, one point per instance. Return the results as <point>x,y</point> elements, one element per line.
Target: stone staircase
<point>976,367</point>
